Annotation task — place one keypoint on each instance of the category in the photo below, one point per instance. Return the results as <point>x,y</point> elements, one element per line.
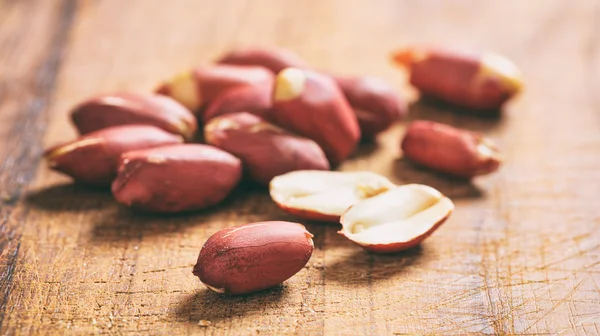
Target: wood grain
<point>520,254</point>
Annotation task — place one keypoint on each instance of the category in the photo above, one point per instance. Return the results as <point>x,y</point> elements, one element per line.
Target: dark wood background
<point>520,254</point>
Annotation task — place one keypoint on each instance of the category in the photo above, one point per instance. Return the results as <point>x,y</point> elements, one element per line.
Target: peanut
<point>325,195</point>
<point>247,98</point>
<point>253,257</point>
<point>93,158</point>
<point>199,87</point>
<point>176,178</point>
<point>312,105</point>
<point>450,150</point>
<point>482,81</point>
<point>132,108</point>
<point>375,102</point>
<point>272,58</point>
<point>265,149</point>
<point>396,220</point>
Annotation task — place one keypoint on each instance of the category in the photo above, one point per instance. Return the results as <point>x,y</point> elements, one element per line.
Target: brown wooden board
<point>521,253</point>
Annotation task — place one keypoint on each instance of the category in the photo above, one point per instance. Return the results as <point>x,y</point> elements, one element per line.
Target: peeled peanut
<point>253,257</point>
<point>312,105</point>
<point>479,81</point>
<point>132,108</point>
<point>325,195</point>
<point>198,87</point>
<point>247,98</point>
<point>176,178</point>
<point>396,220</point>
<point>272,58</point>
<point>94,158</point>
<point>450,150</point>
<point>265,149</point>
<point>376,104</point>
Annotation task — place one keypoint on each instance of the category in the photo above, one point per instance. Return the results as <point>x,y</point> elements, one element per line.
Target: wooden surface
<point>520,254</point>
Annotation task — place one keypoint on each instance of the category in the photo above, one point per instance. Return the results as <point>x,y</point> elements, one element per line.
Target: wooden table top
<point>520,254</point>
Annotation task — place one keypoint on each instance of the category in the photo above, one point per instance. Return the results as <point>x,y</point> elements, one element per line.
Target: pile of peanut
<point>268,117</point>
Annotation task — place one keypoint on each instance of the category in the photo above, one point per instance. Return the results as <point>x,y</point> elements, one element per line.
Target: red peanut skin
<point>176,178</point>
<point>375,102</point>
<point>96,163</point>
<point>451,76</point>
<point>447,149</point>
<point>272,58</point>
<point>248,98</point>
<point>213,80</point>
<point>320,113</point>
<point>253,257</point>
<point>132,108</point>
<point>400,246</point>
<point>265,150</point>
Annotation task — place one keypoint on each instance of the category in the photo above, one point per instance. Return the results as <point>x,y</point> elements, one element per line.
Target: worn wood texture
<point>521,253</point>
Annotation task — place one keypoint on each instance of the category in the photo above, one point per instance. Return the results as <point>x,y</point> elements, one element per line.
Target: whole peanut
<point>450,150</point>
<point>376,104</point>
<point>312,105</point>
<point>248,98</point>
<point>132,108</point>
<point>94,158</point>
<point>265,149</point>
<point>198,87</point>
<point>253,257</point>
<point>176,178</point>
<point>478,81</point>
<point>272,58</point>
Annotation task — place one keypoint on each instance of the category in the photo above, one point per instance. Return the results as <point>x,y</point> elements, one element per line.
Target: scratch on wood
<point>563,300</point>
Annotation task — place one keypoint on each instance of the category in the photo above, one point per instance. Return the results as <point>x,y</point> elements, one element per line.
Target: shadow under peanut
<point>365,148</point>
<point>363,268</point>
<point>121,223</point>
<point>70,197</point>
<point>435,110</point>
<point>453,187</point>
<point>210,306</point>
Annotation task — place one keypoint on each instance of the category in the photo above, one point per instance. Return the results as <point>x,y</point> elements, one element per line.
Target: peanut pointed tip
<point>183,88</point>
<point>289,84</point>
<point>504,70</point>
<point>487,149</point>
<point>185,131</point>
<point>309,237</point>
<point>215,289</point>
<point>403,57</point>
<point>163,89</point>
<point>51,153</point>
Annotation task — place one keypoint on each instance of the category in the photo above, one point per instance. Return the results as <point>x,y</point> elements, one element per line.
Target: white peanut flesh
<point>289,84</point>
<point>326,192</point>
<point>396,216</point>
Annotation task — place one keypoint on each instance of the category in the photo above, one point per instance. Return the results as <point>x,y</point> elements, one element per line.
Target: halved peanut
<point>324,195</point>
<point>397,219</point>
